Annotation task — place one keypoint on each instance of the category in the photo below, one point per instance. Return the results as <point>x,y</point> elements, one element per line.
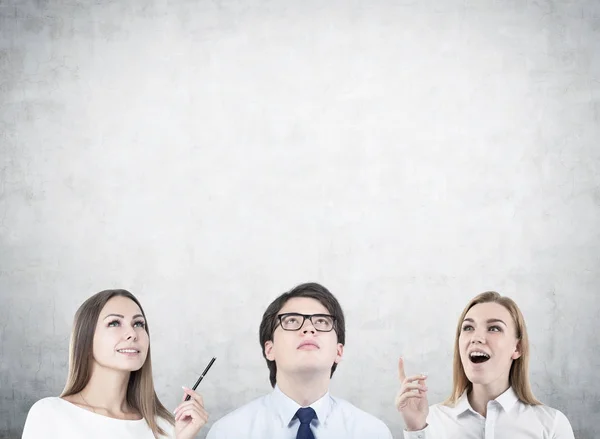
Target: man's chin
<point>304,368</point>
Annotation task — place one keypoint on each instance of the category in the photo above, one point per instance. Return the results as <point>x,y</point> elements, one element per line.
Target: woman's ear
<point>517,353</point>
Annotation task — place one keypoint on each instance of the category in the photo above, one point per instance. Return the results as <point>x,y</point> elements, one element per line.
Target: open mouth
<point>478,357</point>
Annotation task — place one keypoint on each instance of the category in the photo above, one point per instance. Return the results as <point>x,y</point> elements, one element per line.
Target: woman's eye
<point>114,323</point>
<point>140,324</point>
<point>495,329</point>
<point>467,328</point>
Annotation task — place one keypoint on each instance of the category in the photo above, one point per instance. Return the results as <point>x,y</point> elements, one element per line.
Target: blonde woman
<point>491,394</point>
<point>109,390</point>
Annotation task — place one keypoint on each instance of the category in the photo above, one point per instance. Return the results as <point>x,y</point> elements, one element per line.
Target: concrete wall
<point>210,155</point>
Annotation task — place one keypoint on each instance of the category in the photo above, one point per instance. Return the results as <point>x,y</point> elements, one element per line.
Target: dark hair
<point>313,291</point>
<point>140,389</point>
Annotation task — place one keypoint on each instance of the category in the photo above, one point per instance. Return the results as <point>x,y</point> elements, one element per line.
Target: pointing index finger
<point>401,374</point>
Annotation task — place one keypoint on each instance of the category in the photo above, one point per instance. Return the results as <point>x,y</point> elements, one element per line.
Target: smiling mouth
<point>478,357</point>
<point>128,351</point>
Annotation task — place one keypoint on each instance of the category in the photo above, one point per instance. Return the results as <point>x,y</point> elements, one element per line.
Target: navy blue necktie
<point>305,415</point>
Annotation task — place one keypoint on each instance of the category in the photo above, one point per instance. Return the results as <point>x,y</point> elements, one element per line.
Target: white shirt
<point>273,416</point>
<point>55,418</point>
<point>507,418</point>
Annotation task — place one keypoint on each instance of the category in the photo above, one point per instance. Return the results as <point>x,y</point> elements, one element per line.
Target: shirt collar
<point>461,406</point>
<point>322,407</point>
<point>507,400</point>
<point>286,408</point>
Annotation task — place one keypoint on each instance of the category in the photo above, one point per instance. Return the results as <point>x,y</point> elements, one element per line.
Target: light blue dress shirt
<point>273,417</point>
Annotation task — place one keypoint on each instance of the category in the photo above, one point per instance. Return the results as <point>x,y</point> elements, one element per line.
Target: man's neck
<point>304,389</point>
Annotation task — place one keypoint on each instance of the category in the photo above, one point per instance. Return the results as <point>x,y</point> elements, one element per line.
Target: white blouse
<point>507,418</point>
<point>56,418</point>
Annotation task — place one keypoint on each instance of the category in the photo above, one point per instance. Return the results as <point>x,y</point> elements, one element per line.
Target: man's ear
<point>269,350</point>
<point>339,353</point>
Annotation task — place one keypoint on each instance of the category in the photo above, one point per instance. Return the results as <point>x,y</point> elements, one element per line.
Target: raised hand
<point>411,400</point>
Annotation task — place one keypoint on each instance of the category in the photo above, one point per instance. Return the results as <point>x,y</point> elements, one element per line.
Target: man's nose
<point>308,326</point>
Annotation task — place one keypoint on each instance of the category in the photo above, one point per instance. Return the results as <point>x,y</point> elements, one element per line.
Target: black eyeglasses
<point>292,321</point>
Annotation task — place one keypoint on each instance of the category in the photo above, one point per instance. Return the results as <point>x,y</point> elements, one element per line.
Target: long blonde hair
<point>519,370</point>
<point>141,395</point>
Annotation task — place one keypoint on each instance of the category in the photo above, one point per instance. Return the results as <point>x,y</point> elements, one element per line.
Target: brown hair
<point>141,395</point>
<point>270,321</point>
<point>519,369</point>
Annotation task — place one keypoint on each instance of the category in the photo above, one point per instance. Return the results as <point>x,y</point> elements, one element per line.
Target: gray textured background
<point>210,155</point>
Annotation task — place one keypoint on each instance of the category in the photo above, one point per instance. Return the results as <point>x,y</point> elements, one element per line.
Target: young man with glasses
<point>302,335</point>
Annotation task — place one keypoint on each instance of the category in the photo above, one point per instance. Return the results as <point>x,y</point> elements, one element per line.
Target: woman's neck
<point>481,394</point>
<point>106,393</point>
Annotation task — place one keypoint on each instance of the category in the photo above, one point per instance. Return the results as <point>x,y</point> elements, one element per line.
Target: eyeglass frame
<point>304,317</point>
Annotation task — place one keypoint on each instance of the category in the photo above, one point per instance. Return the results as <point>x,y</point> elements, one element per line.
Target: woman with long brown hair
<point>109,390</point>
<point>491,395</point>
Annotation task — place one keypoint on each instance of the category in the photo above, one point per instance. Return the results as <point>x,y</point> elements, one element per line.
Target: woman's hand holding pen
<point>190,416</point>
<point>411,400</point>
